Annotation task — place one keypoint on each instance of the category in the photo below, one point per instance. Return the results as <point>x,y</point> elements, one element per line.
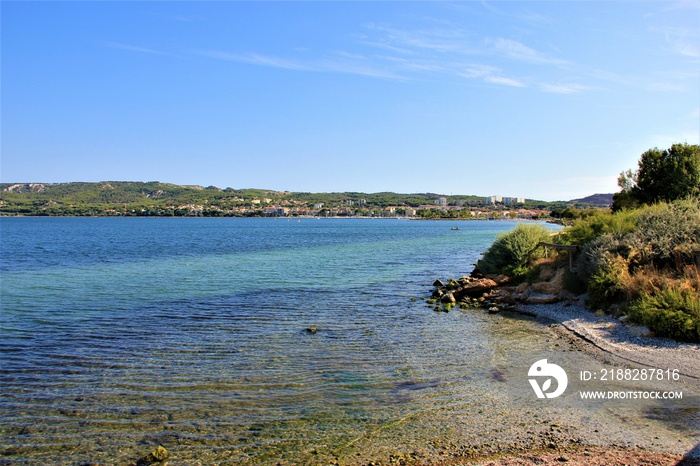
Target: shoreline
<point>572,432</point>
<point>611,341</point>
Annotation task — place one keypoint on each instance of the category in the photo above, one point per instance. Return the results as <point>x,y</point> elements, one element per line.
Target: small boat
<point>454,228</point>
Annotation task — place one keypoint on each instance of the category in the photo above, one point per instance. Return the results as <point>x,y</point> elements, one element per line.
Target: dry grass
<point>650,280</point>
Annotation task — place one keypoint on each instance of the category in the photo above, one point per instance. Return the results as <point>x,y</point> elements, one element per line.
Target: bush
<point>667,234</point>
<point>607,286</point>
<point>591,258</point>
<point>512,251</point>
<point>588,229</point>
<point>670,312</point>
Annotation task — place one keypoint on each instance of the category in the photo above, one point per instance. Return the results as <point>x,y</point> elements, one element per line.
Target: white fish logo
<point>543,369</point>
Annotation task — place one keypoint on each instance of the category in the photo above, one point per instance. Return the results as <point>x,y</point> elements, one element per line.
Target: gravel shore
<point>615,338</point>
<point>582,434</point>
<point>613,342</point>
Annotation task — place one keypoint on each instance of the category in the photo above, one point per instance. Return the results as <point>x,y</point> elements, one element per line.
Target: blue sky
<point>545,100</point>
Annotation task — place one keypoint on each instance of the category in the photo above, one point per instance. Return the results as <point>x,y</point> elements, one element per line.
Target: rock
<point>438,283</point>
<point>438,293</point>
<point>542,298</point>
<point>522,287</point>
<point>624,319</point>
<point>494,310</point>
<point>312,330</point>
<point>158,455</point>
<point>475,288</point>
<point>503,296</point>
<point>522,295</point>
<point>546,288</point>
<point>640,331</point>
<point>448,298</point>
<point>499,279</point>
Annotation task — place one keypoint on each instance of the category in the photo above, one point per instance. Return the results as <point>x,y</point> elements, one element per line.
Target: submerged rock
<point>311,330</point>
<point>157,456</point>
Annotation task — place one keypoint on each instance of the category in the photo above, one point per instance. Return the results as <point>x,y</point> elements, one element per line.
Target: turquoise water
<point>121,334</point>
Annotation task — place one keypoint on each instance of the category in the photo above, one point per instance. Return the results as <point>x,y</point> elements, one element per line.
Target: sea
<point>238,340</point>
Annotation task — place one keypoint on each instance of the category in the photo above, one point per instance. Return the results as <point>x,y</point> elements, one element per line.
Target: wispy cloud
<point>441,40</point>
<point>682,41</point>
<point>518,51</point>
<point>135,48</point>
<point>443,51</point>
<point>564,88</point>
<point>504,81</point>
<point>352,65</point>
<point>256,59</point>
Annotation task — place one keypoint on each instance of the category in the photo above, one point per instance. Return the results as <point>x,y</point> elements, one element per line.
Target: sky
<point>547,100</point>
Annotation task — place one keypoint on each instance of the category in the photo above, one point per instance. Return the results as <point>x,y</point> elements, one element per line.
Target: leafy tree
<point>662,175</point>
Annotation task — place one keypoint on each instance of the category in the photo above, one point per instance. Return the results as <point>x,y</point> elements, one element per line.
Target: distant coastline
<point>155,199</point>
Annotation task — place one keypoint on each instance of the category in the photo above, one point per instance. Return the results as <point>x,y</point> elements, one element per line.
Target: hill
<point>163,199</point>
<point>603,200</point>
<point>153,198</point>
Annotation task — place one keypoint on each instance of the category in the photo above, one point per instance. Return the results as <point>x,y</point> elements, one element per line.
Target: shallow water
<point>122,334</point>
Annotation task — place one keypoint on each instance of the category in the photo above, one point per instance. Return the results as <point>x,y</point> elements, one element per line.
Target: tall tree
<point>662,175</point>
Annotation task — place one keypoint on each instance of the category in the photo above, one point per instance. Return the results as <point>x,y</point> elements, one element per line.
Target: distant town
<point>162,199</point>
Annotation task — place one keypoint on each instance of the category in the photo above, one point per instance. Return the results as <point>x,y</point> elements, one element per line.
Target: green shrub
<point>511,251</point>
<point>592,254</point>
<point>587,229</point>
<point>607,286</point>
<point>666,234</point>
<point>670,312</point>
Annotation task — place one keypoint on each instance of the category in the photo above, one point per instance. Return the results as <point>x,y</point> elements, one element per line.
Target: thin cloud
<point>408,54</point>
<point>255,59</point>
<point>682,41</point>
<point>350,66</point>
<point>442,40</point>
<point>134,48</point>
<point>504,81</point>
<point>518,51</point>
<point>564,88</point>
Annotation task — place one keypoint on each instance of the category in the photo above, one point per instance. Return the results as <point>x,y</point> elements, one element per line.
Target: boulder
<point>499,279</point>
<point>503,296</point>
<point>546,288</point>
<point>475,288</point>
<point>542,298</point>
<point>438,283</point>
<point>448,298</point>
<point>522,287</point>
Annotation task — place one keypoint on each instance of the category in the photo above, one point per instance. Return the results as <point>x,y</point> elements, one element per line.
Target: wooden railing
<point>571,249</point>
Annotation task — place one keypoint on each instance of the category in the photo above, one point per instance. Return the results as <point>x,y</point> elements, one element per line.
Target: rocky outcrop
<point>494,292</point>
<point>465,287</point>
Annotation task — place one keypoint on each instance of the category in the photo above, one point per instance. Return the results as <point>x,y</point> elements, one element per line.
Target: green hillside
<point>153,198</point>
